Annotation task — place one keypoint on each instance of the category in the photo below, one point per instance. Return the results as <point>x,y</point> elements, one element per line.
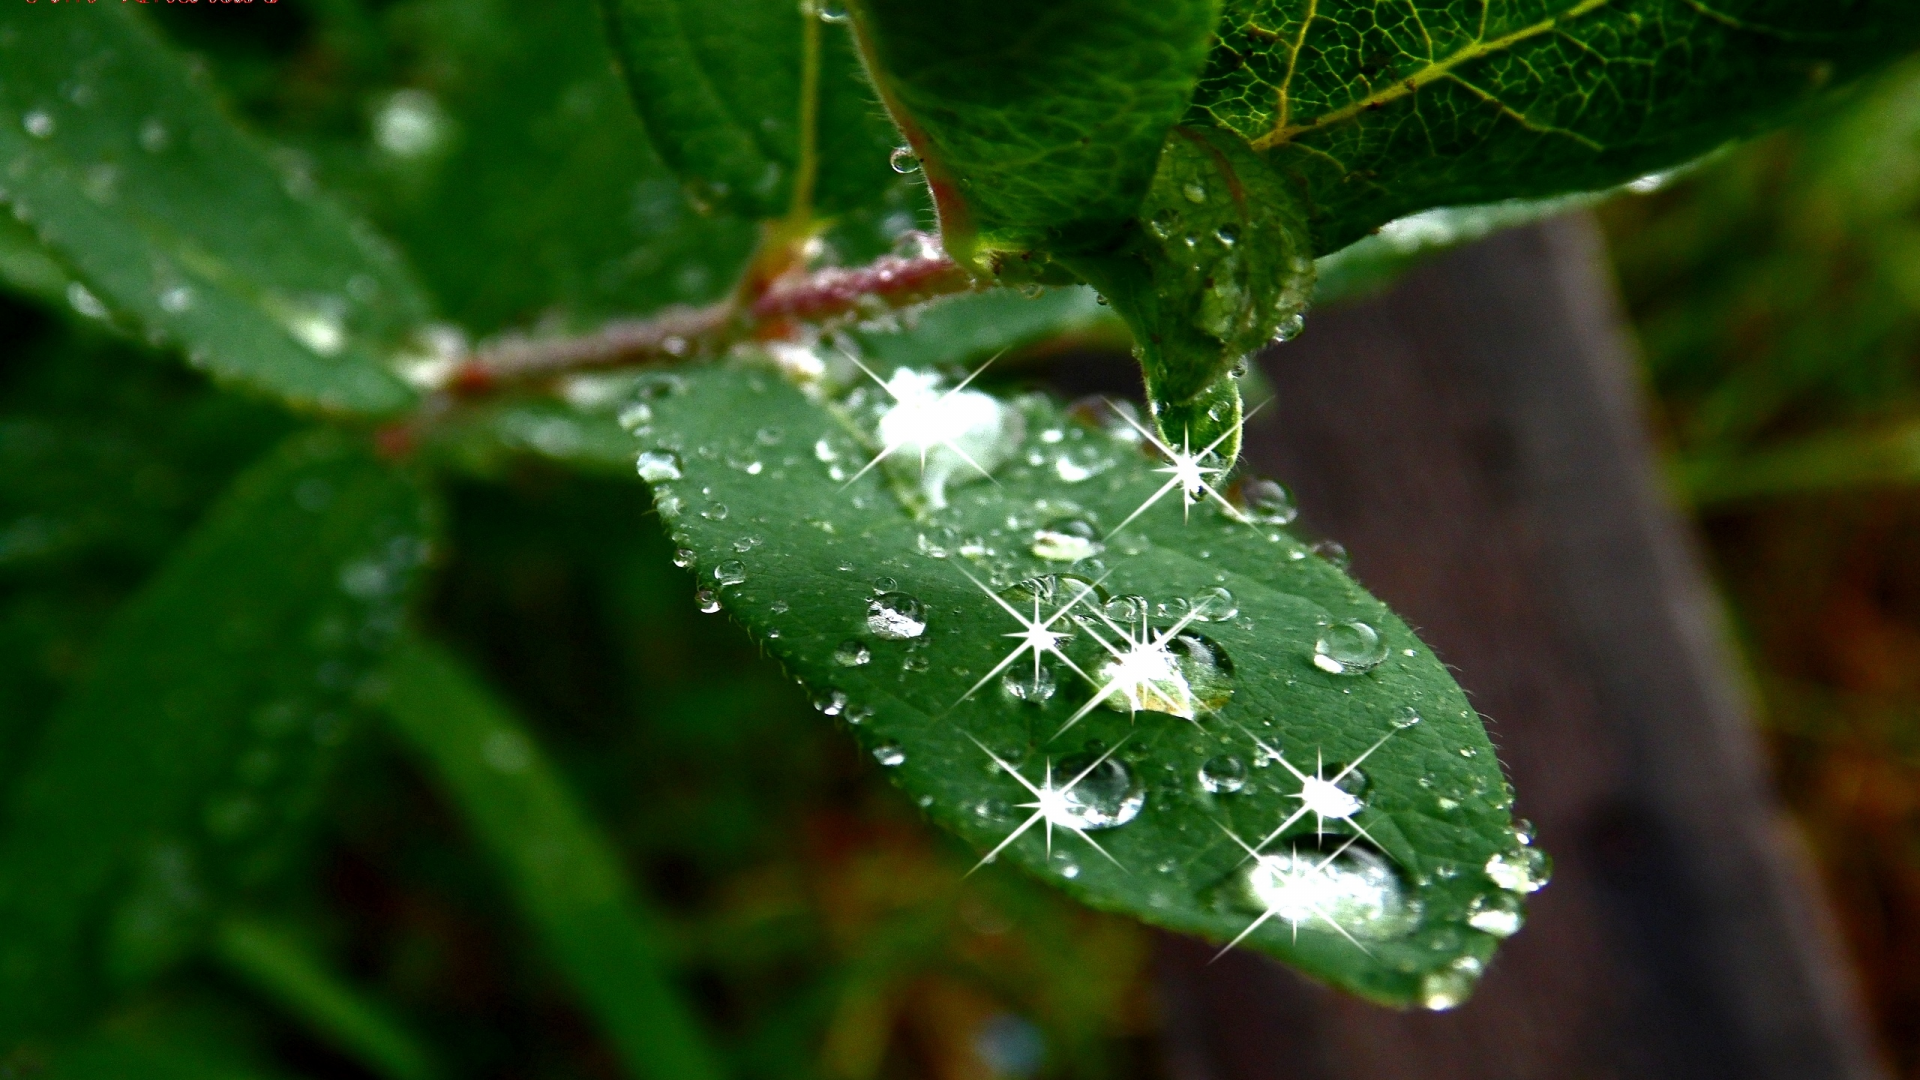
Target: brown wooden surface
<point>1475,439</point>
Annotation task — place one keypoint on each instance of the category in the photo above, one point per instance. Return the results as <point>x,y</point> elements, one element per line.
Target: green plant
<point>1242,742</point>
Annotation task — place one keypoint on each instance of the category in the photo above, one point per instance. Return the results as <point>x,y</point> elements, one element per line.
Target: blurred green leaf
<point>187,762</point>
<point>564,874</point>
<point>888,619</point>
<point>113,1058</point>
<point>1038,128</point>
<point>119,161</point>
<point>282,967</point>
<point>1829,461</point>
<point>757,104</point>
<point>1448,103</point>
<point>28,267</point>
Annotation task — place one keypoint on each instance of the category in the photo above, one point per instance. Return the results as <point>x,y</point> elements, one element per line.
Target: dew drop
<point>1268,502</point>
<point>896,616</point>
<point>889,754</point>
<point>831,11</point>
<point>831,703</point>
<point>82,300</point>
<point>1228,234</point>
<point>1028,686</point>
<point>1349,648</point>
<point>1067,540</point>
<point>1523,871</point>
<point>715,512</point>
<point>746,543</point>
<point>1214,604</point>
<point>1333,551</point>
<point>731,572</point>
<point>1289,328</point>
<point>707,599</point>
<point>852,653</point>
<point>1223,775</point>
<point>658,465</point>
<point>1125,610</point>
<point>778,607</point>
<point>1195,191</point>
<point>176,300</point>
<point>154,137</point>
<point>1448,987</point>
<point>39,124</point>
<point>903,160</point>
<point>410,125</point>
<point>1357,890</point>
<point>684,557</point>
<point>1407,719</point>
<point>1106,796</point>
<point>883,583</point>
<point>1496,913</point>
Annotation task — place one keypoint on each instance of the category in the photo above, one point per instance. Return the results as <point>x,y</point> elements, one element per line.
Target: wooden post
<point>1475,438</point>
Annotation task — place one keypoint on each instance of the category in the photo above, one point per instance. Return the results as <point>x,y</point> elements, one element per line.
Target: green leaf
<point>282,967</point>
<point>885,614</point>
<point>115,1058</point>
<point>759,105</point>
<point>180,771</point>
<point>1214,268</point>
<point>1376,114</point>
<point>563,872</point>
<point>1037,127</point>
<point>177,222</point>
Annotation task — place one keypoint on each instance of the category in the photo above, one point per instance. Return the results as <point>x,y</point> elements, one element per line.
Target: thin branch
<point>787,308</point>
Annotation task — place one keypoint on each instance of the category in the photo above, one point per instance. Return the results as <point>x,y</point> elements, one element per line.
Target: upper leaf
<point>178,222</point>
<point>1379,111</point>
<point>1238,670</point>
<point>1038,126</point>
<point>181,767</point>
<point>759,105</point>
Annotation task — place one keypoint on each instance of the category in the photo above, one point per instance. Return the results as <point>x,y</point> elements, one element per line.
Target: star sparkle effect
<point>1294,890</point>
<point>1036,635</point>
<point>1143,669</point>
<point>1187,470</point>
<point>1050,804</point>
<point>933,419</point>
<point>1320,796</point>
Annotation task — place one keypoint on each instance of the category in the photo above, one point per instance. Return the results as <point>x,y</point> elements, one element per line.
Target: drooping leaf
<point>185,764</point>
<point>1038,126</point>
<point>562,871</point>
<point>1376,113</point>
<point>179,223</point>
<point>285,969</point>
<point>760,105</point>
<point>1215,266</point>
<point>899,622</point>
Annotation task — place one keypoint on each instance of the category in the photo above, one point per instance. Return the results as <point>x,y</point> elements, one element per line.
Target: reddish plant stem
<point>783,309</point>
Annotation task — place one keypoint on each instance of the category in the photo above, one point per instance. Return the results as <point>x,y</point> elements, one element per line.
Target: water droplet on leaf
<point>1106,797</point>
<point>896,616</point>
<point>1349,648</point>
<point>707,599</point>
<point>1223,775</point>
<point>658,465</point>
<point>731,572</point>
<point>852,653</point>
<point>903,161</point>
<point>889,754</point>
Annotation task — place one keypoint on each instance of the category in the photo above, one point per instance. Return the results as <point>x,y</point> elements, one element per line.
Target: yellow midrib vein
<point>1285,132</point>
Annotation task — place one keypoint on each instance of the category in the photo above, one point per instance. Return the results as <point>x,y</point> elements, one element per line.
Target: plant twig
<point>787,308</point>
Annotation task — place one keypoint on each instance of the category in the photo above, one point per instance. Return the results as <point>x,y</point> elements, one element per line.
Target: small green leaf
<point>1376,115</point>
<point>908,626</point>
<point>1038,127</point>
<point>759,105</point>
<point>179,772</point>
<point>280,965</point>
<point>177,222</point>
<point>563,872</point>
<point>1215,266</point>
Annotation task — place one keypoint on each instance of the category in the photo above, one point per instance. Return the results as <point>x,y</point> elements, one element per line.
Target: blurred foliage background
<point>826,932</point>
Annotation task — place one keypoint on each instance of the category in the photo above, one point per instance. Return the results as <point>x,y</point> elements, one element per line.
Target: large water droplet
<point>1356,889</point>
<point>658,465</point>
<point>852,653</point>
<point>731,572</point>
<point>1268,501</point>
<point>903,161</point>
<point>896,616</point>
<point>1024,684</point>
<point>889,754</point>
<point>1106,797</point>
<point>1067,540</point>
<point>1523,871</point>
<point>1183,676</point>
<point>1496,913</point>
<point>1214,604</point>
<point>1349,648</point>
<point>1449,986</point>
<point>1223,775</point>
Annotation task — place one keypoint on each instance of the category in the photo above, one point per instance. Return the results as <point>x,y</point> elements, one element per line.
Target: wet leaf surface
<point>898,625</point>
